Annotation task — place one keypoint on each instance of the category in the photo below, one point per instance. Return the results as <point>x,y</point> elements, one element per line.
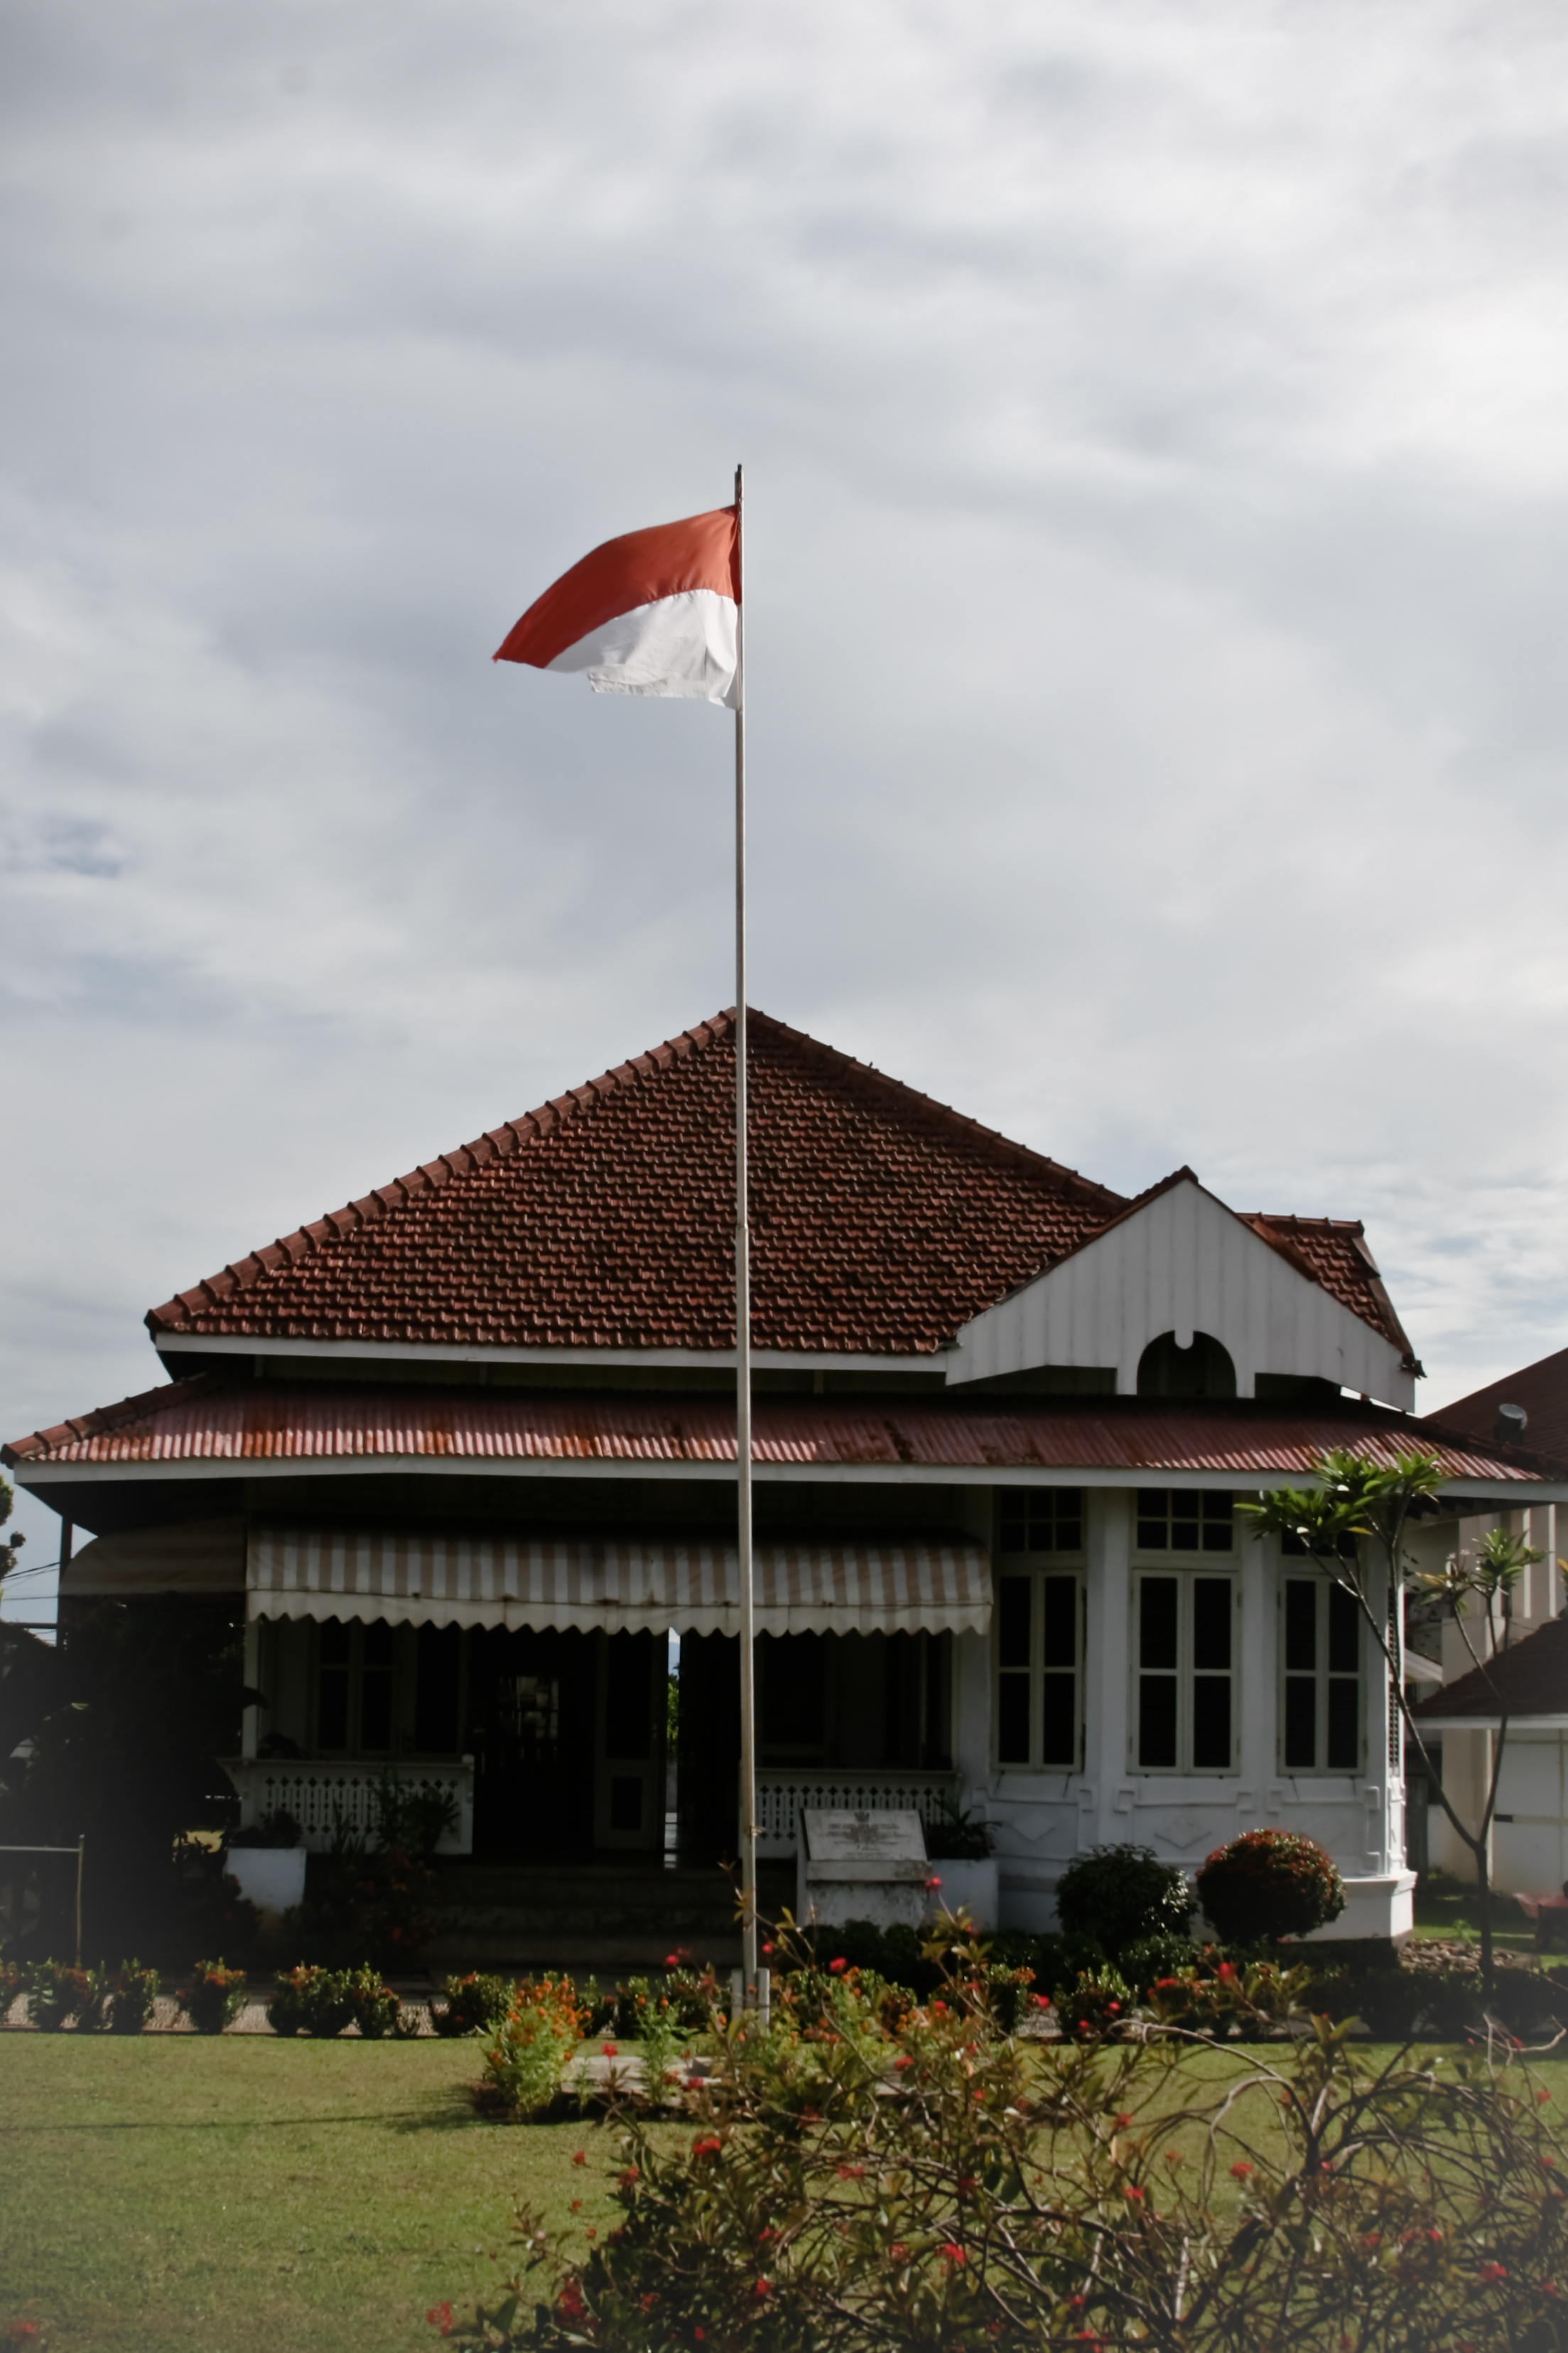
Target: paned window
<point>1184,1519</point>
<point>1186,1711</point>
<point>1039,1666</point>
<point>1039,1519</point>
<point>1321,1714</point>
<point>353,1688</point>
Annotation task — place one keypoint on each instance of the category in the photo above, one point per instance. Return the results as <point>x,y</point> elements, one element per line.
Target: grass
<point>1450,1909</point>
<point>254,2196</point>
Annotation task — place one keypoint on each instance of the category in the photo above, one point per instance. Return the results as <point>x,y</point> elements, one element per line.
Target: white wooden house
<point>466,1447</point>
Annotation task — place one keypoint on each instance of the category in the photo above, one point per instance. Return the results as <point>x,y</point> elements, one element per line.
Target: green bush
<point>57,1993</point>
<point>474,2004</point>
<point>374,2008</point>
<point>312,2001</point>
<point>1120,1894</point>
<point>1098,2002</point>
<point>1148,1957</point>
<point>131,1998</point>
<point>1269,1883</point>
<point>214,1996</point>
<point>927,2187</point>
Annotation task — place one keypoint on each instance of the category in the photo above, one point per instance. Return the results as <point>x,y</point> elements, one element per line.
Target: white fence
<point>322,1794</point>
<point>782,1794</point>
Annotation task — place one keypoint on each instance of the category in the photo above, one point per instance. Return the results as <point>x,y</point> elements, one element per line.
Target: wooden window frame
<point>1038,1569</point>
<point>1187,1574</point>
<point>1323,1675</point>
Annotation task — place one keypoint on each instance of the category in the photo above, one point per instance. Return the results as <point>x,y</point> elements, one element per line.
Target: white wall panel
<point>1182,1263</point>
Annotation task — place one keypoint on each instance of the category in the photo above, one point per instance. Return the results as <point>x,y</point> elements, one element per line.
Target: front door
<point>628,1782</point>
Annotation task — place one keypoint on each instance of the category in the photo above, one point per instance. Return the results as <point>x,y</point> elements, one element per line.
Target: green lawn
<point>1450,1910</point>
<point>255,2196</point>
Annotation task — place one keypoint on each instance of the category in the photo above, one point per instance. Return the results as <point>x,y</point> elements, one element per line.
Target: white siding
<point>1183,1263</point>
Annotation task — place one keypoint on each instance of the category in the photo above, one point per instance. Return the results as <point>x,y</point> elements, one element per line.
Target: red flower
<point>579,2157</point>
<point>903,2059</point>
<point>700,2335</point>
<point>569,2303</point>
<point>1129,2190</point>
<point>762,2288</point>
<point>1241,2170</point>
<point>898,2253</point>
<point>609,2051</point>
<point>839,1966</point>
<point>1490,2272</point>
<point>952,2254</point>
<point>439,2316</point>
<point>1123,2122</point>
<point>850,2172</point>
<point>711,2147</point>
<point>625,2180</point>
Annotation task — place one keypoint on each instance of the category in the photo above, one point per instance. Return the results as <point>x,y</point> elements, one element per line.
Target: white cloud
<point>1157,452</point>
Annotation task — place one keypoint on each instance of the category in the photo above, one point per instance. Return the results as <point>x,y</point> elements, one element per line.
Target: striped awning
<point>622,1587</point>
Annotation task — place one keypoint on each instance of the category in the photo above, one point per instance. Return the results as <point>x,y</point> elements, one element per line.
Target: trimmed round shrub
<point>1119,1896</point>
<point>1269,1883</point>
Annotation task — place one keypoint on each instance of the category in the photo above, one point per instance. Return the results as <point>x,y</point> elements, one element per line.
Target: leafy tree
<point>1362,1504</point>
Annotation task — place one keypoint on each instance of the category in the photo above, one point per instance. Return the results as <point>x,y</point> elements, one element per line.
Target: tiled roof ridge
<point>867,1073</point>
<point>498,1142</point>
<point>1280,1228</point>
<point>532,1127</point>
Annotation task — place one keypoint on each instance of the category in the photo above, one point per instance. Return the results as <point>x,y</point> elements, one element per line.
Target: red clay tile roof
<point>209,1419</point>
<point>1532,1675</point>
<point>882,1221</point>
<point>1333,1252</point>
<point>1541,1388</point>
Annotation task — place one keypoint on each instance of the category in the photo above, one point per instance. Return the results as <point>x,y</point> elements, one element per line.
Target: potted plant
<point>267,1862</point>
<point>963,1868</point>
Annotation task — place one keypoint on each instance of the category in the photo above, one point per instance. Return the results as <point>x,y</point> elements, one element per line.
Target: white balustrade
<point>322,1793</point>
<point>782,1792</point>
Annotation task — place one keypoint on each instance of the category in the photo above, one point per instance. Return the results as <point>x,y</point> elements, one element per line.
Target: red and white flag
<point>654,613</point>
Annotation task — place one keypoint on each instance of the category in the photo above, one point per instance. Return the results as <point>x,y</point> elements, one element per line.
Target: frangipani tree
<point>1355,1524</point>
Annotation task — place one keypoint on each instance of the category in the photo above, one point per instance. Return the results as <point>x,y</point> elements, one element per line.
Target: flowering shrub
<point>1269,1883</point>
<point>1219,1997</point>
<point>526,2062</point>
<point>942,2188</point>
<point>374,2008</point>
<point>474,2004</point>
<point>131,1998</point>
<point>57,1993</point>
<point>213,1999</point>
<point>1096,2005</point>
<point>314,2001</point>
<point>656,2025</point>
<point>1119,1895</point>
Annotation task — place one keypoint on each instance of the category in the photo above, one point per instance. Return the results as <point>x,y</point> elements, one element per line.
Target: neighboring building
<point>1529,1837</point>
<point>1529,1408</point>
<point>466,1447</point>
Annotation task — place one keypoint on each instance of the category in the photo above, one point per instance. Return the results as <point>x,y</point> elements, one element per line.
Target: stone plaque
<point>864,1836</point>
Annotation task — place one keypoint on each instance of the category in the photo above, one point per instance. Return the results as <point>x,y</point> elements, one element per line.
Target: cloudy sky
<point>1157,429</point>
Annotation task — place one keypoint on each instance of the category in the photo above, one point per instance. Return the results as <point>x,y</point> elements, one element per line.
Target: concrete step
<point>606,1917</point>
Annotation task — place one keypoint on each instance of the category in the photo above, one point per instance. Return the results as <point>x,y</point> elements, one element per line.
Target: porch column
<point>1107,1670</point>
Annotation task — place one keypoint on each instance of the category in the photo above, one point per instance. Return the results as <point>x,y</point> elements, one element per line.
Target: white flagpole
<point>744,1326</point>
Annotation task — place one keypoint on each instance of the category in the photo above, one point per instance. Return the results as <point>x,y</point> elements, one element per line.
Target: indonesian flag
<point>653,613</point>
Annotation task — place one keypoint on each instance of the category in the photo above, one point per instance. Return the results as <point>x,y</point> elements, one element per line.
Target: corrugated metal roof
<point>207,1420</point>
